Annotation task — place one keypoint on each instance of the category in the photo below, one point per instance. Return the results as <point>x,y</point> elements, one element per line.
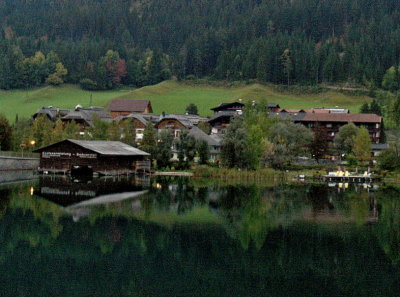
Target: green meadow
<point>168,96</point>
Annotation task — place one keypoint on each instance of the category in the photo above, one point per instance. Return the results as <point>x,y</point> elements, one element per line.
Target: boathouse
<point>92,157</point>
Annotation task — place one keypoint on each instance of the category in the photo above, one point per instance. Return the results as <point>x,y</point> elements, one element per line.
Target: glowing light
<point>31,191</point>
<point>32,142</point>
<point>158,186</point>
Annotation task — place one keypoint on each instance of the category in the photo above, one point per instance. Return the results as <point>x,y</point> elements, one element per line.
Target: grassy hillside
<point>26,102</point>
<point>168,96</point>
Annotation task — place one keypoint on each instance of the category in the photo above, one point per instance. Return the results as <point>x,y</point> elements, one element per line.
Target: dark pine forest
<point>277,41</point>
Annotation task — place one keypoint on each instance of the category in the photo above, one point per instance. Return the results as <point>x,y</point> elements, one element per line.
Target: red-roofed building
<point>124,107</point>
<point>331,122</point>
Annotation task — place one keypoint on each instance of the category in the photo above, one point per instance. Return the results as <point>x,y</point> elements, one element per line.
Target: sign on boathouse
<point>103,157</point>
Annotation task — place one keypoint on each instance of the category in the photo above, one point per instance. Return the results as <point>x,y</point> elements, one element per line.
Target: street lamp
<point>22,146</point>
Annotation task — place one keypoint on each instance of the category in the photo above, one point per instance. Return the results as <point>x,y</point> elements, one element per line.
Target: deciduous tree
<point>344,140</point>
<point>362,145</point>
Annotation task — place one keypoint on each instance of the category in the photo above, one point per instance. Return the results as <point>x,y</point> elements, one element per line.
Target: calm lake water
<point>180,237</point>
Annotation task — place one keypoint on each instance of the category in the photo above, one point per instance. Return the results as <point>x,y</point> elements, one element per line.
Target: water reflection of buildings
<point>356,186</point>
<point>77,196</point>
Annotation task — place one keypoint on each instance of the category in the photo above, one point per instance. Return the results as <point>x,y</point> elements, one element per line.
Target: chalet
<point>92,157</point>
<point>223,114</point>
<point>51,113</point>
<point>220,121</point>
<point>213,141</point>
<point>124,107</point>
<point>273,107</point>
<point>140,121</point>
<point>225,111</point>
<point>178,122</point>
<point>234,107</point>
<point>85,116</point>
<point>332,122</point>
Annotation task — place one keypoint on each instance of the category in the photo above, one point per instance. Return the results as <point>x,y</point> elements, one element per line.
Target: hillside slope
<point>168,96</point>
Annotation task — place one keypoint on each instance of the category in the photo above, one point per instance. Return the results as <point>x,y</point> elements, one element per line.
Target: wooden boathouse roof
<point>105,148</point>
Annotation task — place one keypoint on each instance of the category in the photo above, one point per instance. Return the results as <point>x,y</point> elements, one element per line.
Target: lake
<point>190,237</point>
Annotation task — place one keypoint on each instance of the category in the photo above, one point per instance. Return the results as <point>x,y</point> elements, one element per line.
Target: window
<point>329,125</point>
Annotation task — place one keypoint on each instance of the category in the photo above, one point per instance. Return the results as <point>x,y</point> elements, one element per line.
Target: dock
<point>345,176</point>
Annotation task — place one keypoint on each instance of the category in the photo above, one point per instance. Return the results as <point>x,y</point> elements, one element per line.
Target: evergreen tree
<point>365,108</point>
<point>5,134</point>
<point>203,151</point>
<point>320,143</point>
<point>192,109</point>
<point>375,108</point>
<point>234,145</point>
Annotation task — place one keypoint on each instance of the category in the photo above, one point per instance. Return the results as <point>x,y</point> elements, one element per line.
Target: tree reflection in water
<point>183,240</point>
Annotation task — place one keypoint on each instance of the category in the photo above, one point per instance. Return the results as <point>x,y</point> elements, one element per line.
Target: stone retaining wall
<point>16,176</point>
<point>18,163</point>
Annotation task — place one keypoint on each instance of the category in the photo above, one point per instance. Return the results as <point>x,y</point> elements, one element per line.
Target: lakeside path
<point>189,174</point>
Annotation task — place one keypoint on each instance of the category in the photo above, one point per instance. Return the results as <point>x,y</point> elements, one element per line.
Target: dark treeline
<point>284,42</point>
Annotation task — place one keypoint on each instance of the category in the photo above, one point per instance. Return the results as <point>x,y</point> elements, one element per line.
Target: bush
<point>389,160</point>
<point>88,84</point>
<point>351,160</point>
<point>54,80</point>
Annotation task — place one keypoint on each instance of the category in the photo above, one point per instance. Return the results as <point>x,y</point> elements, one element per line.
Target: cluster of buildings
<point>330,119</point>
<point>141,113</point>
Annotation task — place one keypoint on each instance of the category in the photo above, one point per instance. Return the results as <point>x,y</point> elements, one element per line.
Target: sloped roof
<point>273,105</point>
<point>136,116</point>
<point>105,148</point>
<point>187,120</point>
<point>222,114</point>
<point>87,114</point>
<point>129,105</point>
<point>201,135</point>
<point>342,117</point>
<point>291,110</point>
<point>316,110</point>
<point>51,112</point>
<point>296,117</point>
<point>227,105</point>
